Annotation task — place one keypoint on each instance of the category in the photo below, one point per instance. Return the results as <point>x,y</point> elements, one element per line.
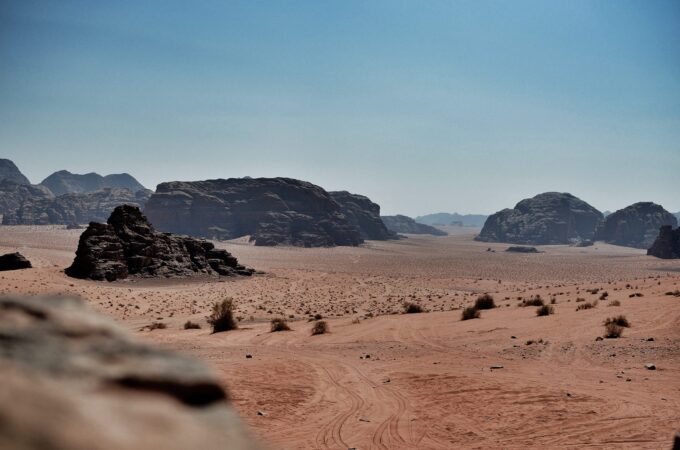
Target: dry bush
<point>222,316</point>
<point>157,326</point>
<point>412,308</point>
<point>586,305</point>
<point>485,302</point>
<point>580,299</point>
<point>279,324</point>
<point>533,301</point>
<point>470,313</point>
<point>320,327</point>
<point>612,331</point>
<point>675,293</point>
<point>604,295</point>
<point>545,310</point>
<point>619,320</point>
<point>614,303</point>
<point>189,325</point>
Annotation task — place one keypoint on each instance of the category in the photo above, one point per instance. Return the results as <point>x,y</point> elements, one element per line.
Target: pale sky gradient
<point>423,106</point>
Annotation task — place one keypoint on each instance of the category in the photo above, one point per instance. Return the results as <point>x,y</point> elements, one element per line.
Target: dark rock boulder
<point>65,182</point>
<point>75,380</point>
<point>9,171</point>
<point>270,210</point>
<point>522,249</point>
<point>634,226</point>
<point>405,224</point>
<point>667,243</point>
<point>13,195</point>
<point>363,214</point>
<point>548,218</point>
<point>73,208</point>
<point>14,261</point>
<point>129,246</point>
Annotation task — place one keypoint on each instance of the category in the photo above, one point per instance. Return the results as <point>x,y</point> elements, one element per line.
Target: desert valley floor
<point>385,380</point>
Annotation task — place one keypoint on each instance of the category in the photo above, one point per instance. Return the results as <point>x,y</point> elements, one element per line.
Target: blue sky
<point>424,106</point>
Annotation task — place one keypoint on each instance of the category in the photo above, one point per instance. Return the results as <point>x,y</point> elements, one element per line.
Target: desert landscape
<point>384,379</point>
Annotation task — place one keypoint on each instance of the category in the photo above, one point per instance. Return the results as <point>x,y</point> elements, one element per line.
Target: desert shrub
<point>222,316</point>
<point>614,303</point>
<point>619,320</point>
<point>545,310</point>
<point>612,330</point>
<point>279,324</point>
<point>318,316</point>
<point>604,295</point>
<point>485,302</point>
<point>580,299</point>
<point>533,301</point>
<point>189,325</point>
<point>470,313</point>
<point>157,326</point>
<point>675,293</point>
<point>320,327</point>
<point>635,294</point>
<point>586,305</point>
<point>412,308</point>
<point>356,321</point>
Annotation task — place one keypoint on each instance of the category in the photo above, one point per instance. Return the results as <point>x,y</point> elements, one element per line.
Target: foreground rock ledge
<point>72,379</point>
<point>129,245</point>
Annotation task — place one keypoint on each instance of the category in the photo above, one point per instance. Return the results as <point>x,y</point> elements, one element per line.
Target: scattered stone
<point>14,261</point>
<point>650,366</point>
<point>496,366</point>
<point>248,356</point>
<point>651,339</point>
<point>261,413</point>
<point>599,338</point>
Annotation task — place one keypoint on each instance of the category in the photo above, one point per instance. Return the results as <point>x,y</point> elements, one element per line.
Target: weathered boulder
<point>548,218</point>
<point>634,226</point>
<point>271,210</point>
<point>14,261</point>
<point>363,214</point>
<point>667,243</point>
<point>129,246</point>
<point>521,249</point>
<point>75,380</point>
<point>73,208</point>
<point>9,171</point>
<point>405,224</point>
<point>65,182</point>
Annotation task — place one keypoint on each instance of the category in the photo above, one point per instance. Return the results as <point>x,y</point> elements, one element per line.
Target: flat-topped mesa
<point>548,218</point>
<point>271,211</point>
<point>635,226</point>
<point>363,214</point>
<point>129,246</point>
<point>405,224</point>
<point>667,243</point>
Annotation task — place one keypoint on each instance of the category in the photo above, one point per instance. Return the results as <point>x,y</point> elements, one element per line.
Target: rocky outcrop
<point>72,209</point>
<point>667,243</point>
<point>521,249</point>
<point>270,210</point>
<point>75,380</point>
<point>127,245</point>
<point>548,218</point>
<point>455,219</point>
<point>404,224</point>
<point>13,195</point>
<point>14,261</point>
<point>9,171</point>
<point>634,226</point>
<point>363,214</point>
<point>65,182</point>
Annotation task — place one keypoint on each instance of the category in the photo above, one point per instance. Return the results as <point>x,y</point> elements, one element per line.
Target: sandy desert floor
<point>384,380</point>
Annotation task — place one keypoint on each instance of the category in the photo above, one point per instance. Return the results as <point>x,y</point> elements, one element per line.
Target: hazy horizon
<point>423,107</point>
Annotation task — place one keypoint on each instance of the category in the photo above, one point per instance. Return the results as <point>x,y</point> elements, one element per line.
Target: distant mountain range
<point>65,182</point>
<point>466,220</point>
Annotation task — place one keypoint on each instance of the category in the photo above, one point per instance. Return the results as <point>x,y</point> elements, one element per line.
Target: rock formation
<point>75,380</point>
<point>667,243</point>
<point>65,182</point>
<point>634,226</point>
<point>404,224</point>
<point>70,209</point>
<point>271,210</point>
<point>466,220</point>
<point>9,171</point>
<point>363,214</point>
<point>129,246</point>
<point>548,218</point>
<point>13,195</point>
<point>14,261</point>
<point>521,249</point>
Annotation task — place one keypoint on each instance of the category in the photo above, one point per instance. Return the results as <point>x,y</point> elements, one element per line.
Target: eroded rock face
<point>9,171</point>
<point>271,210</point>
<point>635,226</point>
<point>405,224</point>
<point>548,218</point>
<point>129,246</point>
<point>65,182</point>
<point>14,261</point>
<point>73,208</point>
<point>363,214</point>
<point>75,380</point>
<point>13,195</point>
<point>667,243</point>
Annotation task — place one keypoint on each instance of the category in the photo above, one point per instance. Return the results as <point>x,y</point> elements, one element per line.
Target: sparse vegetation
<point>675,293</point>
<point>222,316</point>
<point>485,302</point>
<point>614,303</point>
<point>320,327</point>
<point>470,313</point>
<point>612,331</point>
<point>586,305</point>
<point>189,325</point>
<point>635,294</point>
<point>279,324</point>
<point>156,326</point>
<point>604,295</point>
<point>545,310</point>
<point>533,301</point>
<point>620,320</point>
<point>412,308</point>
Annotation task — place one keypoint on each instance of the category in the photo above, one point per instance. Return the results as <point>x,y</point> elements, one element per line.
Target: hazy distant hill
<point>65,182</point>
<point>468,220</point>
<point>9,171</point>
<point>677,216</point>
